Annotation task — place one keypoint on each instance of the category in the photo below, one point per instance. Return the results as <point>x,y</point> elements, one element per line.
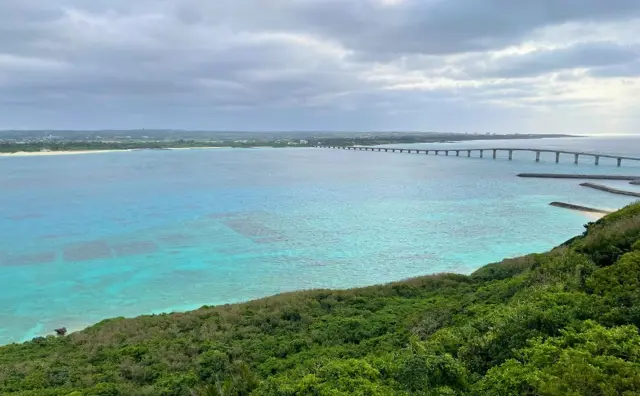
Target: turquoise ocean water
<point>87,237</point>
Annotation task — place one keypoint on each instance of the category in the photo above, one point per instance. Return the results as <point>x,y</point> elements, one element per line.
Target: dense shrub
<point>560,323</point>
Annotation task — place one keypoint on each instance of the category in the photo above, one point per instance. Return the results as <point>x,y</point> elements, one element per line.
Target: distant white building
<point>304,142</point>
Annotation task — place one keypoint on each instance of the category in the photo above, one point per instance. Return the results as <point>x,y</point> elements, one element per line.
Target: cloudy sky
<point>434,65</point>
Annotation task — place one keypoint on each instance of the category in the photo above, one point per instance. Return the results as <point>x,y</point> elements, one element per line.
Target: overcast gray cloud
<point>587,55</point>
<point>320,64</point>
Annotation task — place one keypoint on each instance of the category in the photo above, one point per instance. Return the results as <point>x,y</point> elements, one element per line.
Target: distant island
<point>559,323</point>
<point>76,141</point>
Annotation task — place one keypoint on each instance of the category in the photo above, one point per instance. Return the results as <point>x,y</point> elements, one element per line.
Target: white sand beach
<point>49,153</point>
<point>597,216</point>
<point>196,148</point>
<point>77,152</point>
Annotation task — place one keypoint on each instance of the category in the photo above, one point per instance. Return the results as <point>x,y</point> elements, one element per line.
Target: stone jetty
<point>611,190</point>
<point>578,176</point>
<point>578,207</point>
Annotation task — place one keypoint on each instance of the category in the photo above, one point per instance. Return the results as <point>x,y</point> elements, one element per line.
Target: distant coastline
<point>28,145</point>
<point>78,152</point>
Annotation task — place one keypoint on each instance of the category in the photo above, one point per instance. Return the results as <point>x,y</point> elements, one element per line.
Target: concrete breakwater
<point>611,190</point>
<point>578,176</point>
<point>578,207</point>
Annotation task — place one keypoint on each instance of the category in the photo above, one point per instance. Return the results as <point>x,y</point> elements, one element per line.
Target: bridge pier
<point>596,156</point>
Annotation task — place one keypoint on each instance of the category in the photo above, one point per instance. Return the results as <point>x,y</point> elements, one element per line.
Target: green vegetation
<point>62,145</point>
<point>79,141</point>
<point>560,323</point>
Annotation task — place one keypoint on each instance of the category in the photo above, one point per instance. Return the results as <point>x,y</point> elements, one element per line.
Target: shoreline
<point>51,153</point>
<point>79,152</point>
<point>592,215</point>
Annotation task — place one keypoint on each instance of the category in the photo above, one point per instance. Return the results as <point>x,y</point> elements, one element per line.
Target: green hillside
<point>560,323</point>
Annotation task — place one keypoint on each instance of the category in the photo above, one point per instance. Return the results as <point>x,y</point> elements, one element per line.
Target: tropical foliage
<point>560,323</point>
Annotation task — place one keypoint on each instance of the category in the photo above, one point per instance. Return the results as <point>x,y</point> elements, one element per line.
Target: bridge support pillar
<point>494,154</point>
<point>510,155</point>
<point>557,157</point>
<point>619,161</point>
<point>481,153</point>
<point>446,153</point>
<point>437,152</point>
<point>401,150</point>
<point>457,153</point>
<point>597,160</point>
<point>537,156</point>
<point>468,153</point>
<point>576,158</point>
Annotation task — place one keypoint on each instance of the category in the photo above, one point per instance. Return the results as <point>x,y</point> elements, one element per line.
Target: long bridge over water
<point>494,151</point>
